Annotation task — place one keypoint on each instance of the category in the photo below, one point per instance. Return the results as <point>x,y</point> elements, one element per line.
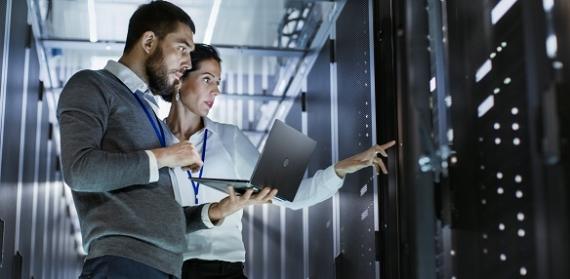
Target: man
<point>115,157</point>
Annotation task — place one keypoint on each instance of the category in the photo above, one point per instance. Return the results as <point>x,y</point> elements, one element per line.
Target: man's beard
<point>158,76</point>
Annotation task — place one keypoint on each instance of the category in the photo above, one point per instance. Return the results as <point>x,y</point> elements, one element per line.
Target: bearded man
<point>116,159</point>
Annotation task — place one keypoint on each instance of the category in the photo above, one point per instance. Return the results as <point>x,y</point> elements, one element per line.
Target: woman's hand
<point>234,202</point>
<point>365,159</point>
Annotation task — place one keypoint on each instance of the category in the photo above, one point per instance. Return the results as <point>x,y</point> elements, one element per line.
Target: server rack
<point>486,80</point>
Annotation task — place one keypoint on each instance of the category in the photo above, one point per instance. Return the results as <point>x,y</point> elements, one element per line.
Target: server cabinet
<point>12,100</point>
<point>294,249</point>
<point>358,208</point>
<point>320,219</point>
<point>480,110</point>
<point>27,160</point>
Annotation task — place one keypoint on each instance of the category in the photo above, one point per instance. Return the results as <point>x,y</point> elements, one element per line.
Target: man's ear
<point>149,42</point>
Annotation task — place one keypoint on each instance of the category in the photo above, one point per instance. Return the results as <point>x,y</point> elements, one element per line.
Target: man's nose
<point>187,62</point>
<point>186,67</point>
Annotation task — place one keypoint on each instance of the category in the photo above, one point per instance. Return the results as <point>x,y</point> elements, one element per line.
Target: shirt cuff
<point>332,179</point>
<point>152,167</point>
<point>206,217</point>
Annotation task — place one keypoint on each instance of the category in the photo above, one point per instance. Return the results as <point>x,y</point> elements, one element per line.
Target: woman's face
<point>200,88</point>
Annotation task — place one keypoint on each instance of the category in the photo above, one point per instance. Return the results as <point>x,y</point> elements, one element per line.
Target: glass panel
<point>261,23</point>
<point>251,36</point>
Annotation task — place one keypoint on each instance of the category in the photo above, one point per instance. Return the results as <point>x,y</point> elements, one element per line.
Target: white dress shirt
<point>230,154</point>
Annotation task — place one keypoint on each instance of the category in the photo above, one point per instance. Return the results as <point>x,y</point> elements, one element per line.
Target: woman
<point>219,251</point>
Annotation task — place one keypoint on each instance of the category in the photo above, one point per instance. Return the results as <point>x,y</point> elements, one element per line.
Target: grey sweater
<point>104,133</point>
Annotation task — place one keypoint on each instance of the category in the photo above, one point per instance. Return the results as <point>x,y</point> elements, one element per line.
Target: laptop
<point>281,165</point>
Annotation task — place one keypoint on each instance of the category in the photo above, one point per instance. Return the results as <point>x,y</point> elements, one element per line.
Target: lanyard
<point>195,185</point>
<point>157,130</point>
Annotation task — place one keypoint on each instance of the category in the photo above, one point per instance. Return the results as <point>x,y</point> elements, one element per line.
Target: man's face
<point>169,60</point>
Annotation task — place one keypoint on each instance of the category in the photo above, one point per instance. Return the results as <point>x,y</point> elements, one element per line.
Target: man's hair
<point>160,17</point>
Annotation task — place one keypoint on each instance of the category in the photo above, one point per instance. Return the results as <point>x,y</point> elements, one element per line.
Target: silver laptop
<point>282,164</point>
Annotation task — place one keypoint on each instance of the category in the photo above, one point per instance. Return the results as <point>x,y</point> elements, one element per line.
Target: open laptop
<point>282,164</point>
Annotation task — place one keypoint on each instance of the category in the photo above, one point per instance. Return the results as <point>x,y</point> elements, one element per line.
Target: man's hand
<point>233,202</point>
<point>182,154</point>
<point>364,159</point>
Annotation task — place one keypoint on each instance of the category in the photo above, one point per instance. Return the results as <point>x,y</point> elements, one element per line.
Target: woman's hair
<point>203,52</point>
<point>200,53</point>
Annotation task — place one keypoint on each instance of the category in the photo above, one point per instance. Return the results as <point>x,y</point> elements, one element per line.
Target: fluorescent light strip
<point>432,84</point>
<point>212,21</point>
<point>485,106</point>
<point>20,185</point>
<point>4,77</point>
<point>264,73</point>
<point>282,84</point>
<point>373,121</point>
<point>265,240</point>
<point>333,74</point>
<point>483,70</point>
<point>251,91</point>
<point>283,250</point>
<point>450,135</point>
<point>448,101</point>
<point>501,9</point>
<point>551,46</point>
<point>547,4</point>
<point>57,199</point>
<point>92,21</point>
<point>306,230</point>
<point>305,219</point>
<point>48,189</point>
<point>240,77</point>
<point>250,240</point>
<point>36,186</point>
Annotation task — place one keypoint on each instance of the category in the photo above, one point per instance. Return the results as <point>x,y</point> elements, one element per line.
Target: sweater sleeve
<point>83,113</point>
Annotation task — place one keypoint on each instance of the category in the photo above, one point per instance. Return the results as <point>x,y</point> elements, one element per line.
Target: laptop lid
<point>281,165</point>
<point>284,159</point>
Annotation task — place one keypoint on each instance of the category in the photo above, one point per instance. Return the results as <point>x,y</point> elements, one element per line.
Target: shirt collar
<point>133,82</point>
<point>127,76</point>
<point>210,125</point>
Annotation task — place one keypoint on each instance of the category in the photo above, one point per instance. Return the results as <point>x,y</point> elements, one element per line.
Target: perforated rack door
<point>493,182</point>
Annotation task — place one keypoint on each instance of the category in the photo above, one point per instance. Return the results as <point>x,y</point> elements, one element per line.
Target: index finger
<point>388,144</point>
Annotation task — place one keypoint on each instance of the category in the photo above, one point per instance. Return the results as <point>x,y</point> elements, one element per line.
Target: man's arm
<point>210,215</point>
<point>83,113</point>
<point>195,218</point>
